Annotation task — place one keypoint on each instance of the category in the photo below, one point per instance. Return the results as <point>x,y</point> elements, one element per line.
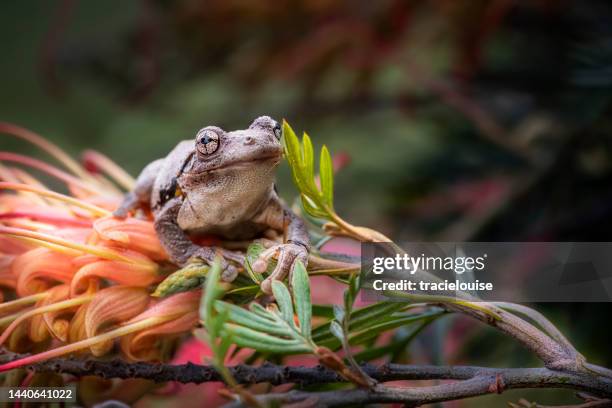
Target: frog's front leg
<point>179,247</point>
<point>295,248</point>
<point>141,194</point>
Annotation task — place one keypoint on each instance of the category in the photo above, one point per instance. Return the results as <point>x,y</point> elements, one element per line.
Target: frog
<point>221,184</point>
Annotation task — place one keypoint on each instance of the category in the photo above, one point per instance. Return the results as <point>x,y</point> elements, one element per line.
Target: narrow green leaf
<point>243,317</point>
<point>286,348</point>
<point>377,329</point>
<point>225,344</point>
<point>246,337</point>
<point>354,283</point>
<point>326,173</point>
<point>253,252</point>
<point>248,291</point>
<point>215,324</point>
<point>300,283</point>
<point>211,291</point>
<point>369,315</point>
<point>255,276</point>
<point>336,330</point>
<point>322,241</point>
<point>292,149</point>
<point>323,311</point>
<point>308,158</point>
<point>396,347</point>
<point>283,299</point>
<point>291,145</point>
<point>385,324</point>
<point>312,208</point>
<point>261,311</point>
<point>360,319</point>
<point>338,313</point>
<point>184,279</point>
<point>348,300</point>
<point>214,321</point>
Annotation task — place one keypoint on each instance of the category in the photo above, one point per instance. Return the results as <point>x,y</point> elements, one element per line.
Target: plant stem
<point>489,380</point>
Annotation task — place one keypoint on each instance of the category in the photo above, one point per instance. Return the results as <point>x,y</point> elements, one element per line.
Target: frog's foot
<point>209,255</point>
<point>129,203</point>
<point>287,255</point>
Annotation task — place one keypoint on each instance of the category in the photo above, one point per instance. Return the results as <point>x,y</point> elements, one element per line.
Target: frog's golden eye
<point>207,141</point>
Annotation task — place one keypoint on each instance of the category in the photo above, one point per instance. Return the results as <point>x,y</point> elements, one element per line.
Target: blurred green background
<point>462,120</point>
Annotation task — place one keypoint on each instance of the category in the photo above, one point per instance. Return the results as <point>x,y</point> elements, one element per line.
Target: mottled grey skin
<point>221,184</point>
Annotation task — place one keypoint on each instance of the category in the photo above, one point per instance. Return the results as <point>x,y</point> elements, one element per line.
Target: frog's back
<point>165,186</point>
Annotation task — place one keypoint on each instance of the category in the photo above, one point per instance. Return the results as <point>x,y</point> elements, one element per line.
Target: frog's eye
<point>207,142</point>
<point>278,131</point>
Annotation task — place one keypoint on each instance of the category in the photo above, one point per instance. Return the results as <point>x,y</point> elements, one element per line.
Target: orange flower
<point>74,273</point>
<point>138,235</point>
<point>181,313</point>
<point>38,269</point>
<point>41,326</point>
<point>110,306</point>
<point>126,273</point>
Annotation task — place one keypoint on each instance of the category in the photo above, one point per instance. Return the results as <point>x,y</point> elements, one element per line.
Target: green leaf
<point>224,345</point>
<point>253,252</point>
<point>336,330</point>
<point>312,208</point>
<point>396,347</point>
<point>376,328</point>
<point>307,158</point>
<point>261,311</point>
<point>369,315</point>
<point>250,291</point>
<point>283,299</point>
<point>354,284</point>
<point>292,149</point>
<point>214,321</point>
<point>245,337</point>
<point>326,173</point>
<point>291,145</point>
<point>339,313</point>
<point>389,324</point>
<point>300,155</point>
<point>300,283</point>
<point>285,348</point>
<point>211,292</point>
<point>323,311</point>
<point>351,292</point>
<point>360,319</point>
<point>190,277</point>
<point>251,320</point>
<point>255,276</point>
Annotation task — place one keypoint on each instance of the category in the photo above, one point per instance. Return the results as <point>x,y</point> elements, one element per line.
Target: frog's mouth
<point>248,162</point>
<point>237,164</point>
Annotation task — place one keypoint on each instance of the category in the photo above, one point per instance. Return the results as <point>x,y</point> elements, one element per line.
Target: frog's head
<point>257,146</point>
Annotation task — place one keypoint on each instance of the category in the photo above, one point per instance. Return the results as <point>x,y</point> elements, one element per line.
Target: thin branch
<point>488,381</point>
<point>554,355</point>
<point>542,321</point>
<point>278,374</point>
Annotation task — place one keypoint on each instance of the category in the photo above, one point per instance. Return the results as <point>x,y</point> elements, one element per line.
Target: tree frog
<point>221,184</point>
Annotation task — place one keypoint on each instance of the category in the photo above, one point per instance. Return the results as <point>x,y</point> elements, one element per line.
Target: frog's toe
<point>130,202</point>
<point>229,273</point>
<point>209,255</point>
<point>234,256</point>
<point>121,212</point>
<point>288,255</point>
